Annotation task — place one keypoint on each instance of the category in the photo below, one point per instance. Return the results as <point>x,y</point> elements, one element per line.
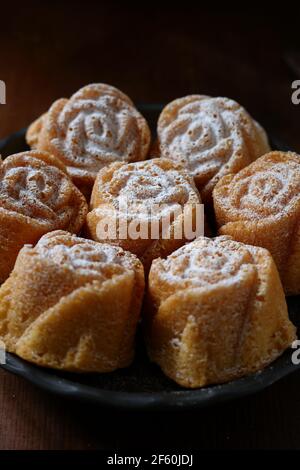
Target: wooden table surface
<point>48,51</point>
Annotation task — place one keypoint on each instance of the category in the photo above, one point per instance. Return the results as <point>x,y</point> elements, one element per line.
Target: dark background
<point>154,54</point>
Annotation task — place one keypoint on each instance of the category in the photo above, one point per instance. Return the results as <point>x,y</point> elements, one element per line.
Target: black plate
<point>143,385</point>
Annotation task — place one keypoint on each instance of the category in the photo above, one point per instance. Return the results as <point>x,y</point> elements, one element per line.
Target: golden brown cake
<point>216,312</point>
<point>96,126</point>
<point>156,193</point>
<point>72,304</point>
<point>211,137</point>
<point>36,196</point>
<point>95,90</point>
<point>261,206</point>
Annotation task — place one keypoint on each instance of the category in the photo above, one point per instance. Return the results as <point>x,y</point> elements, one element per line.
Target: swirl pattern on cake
<point>96,126</point>
<point>261,205</point>
<point>144,192</point>
<point>36,196</point>
<point>72,304</point>
<point>144,185</point>
<point>86,257</point>
<point>211,137</point>
<point>216,311</point>
<point>205,263</point>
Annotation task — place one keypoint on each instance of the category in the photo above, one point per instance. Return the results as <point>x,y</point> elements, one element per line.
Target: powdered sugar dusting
<point>266,188</point>
<point>33,188</point>
<point>206,133</point>
<point>93,129</point>
<point>86,257</point>
<point>145,185</point>
<point>206,262</point>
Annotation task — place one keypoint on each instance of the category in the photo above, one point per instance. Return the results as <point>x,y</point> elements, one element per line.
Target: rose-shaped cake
<point>72,304</point>
<point>157,197</point>
<point>96,126</point>
<point>261,206</point>
<point>216,311</point>
<point>211,137</point>
<point>36,196</point>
